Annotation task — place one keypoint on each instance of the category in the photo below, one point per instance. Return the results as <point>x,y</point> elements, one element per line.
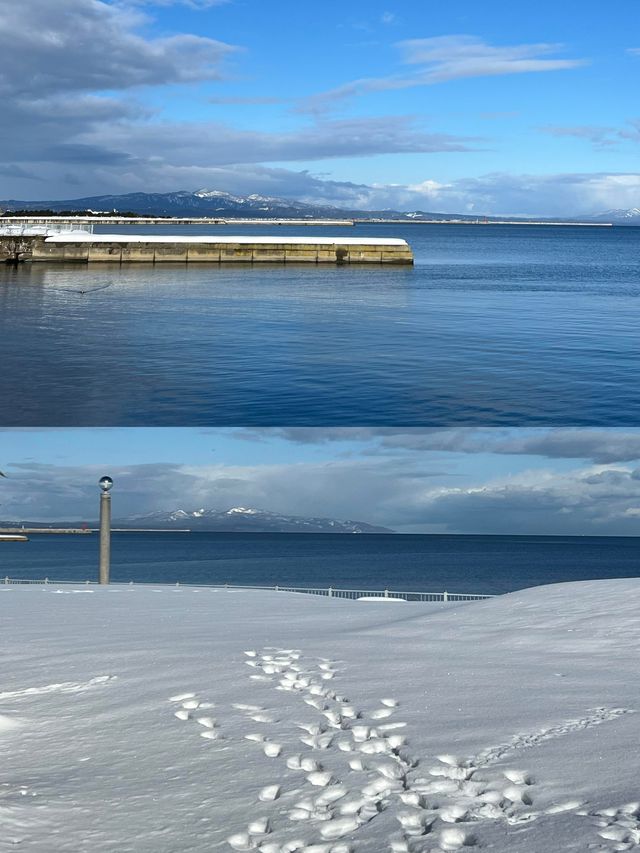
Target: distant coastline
<point>220,207</point>
<point>8,220</point>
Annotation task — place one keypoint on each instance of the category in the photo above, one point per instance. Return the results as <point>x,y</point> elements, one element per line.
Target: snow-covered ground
<point>163,719</point>
<point>219,238</point>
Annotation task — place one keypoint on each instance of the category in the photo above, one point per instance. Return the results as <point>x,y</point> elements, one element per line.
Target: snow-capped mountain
<point>630,216</point>
<point>203,202</point>
<point>251,202</point>
<point>217,203</point>
<point>246,519</point>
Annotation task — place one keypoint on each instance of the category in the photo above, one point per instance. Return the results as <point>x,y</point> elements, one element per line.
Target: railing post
<point>46,580</point>
<point>6,580</point>
<point>445,596</point>
<point>330,592</point>
<point>277,588</point>
<point>386,593</point>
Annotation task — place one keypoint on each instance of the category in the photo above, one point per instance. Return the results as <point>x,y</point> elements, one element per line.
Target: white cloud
<point>600,446</point>
<point>561,195</point>
<point>90,45</point>
<point>595,500</point>
<point>453,57</point>
<point>446,58</point>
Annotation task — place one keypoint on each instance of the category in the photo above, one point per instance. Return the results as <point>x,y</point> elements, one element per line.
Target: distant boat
<point>13,537</point>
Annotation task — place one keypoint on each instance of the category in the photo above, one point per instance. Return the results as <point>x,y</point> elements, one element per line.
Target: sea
<point>486,565</point>
<point>494,325</point>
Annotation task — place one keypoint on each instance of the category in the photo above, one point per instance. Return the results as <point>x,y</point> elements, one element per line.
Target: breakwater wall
<point>13,531</point>
<point>72,221</point>
<point>154,249</point>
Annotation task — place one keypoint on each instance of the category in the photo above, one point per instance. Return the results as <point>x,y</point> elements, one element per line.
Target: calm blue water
<point>495,325</point>
<point>478,564</point>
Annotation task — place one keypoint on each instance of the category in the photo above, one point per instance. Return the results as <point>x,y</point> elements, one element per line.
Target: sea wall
<point>16,249</point>
<point>154,250</point>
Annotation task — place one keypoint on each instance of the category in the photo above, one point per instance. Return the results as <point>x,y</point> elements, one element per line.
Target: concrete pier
<point>154,249</point>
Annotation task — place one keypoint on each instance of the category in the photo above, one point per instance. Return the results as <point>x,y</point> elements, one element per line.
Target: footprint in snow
<point>454,793</point>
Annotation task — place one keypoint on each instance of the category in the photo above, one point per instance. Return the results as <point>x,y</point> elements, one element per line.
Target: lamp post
<point>105,484</point>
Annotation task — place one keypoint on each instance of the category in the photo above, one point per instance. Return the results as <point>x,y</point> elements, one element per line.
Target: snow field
<point>170,720</point>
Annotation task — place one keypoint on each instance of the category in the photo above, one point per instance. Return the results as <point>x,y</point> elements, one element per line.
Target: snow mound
<point>379,598</point>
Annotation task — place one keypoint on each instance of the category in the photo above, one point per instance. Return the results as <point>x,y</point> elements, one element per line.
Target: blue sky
<point>519,109</point>
<point>535,481</point>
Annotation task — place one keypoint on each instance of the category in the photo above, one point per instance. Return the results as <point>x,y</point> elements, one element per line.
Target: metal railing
<point>43,582</point>
<point>327,592</point>
<point>44,228</point>
<point>405,595</point>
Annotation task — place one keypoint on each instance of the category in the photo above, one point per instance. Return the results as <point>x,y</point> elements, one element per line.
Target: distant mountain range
<point>209,203</point>
<point>216,203</point>
<point>235,520</point>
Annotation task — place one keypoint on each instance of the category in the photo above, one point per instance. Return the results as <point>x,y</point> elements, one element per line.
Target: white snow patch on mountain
<point>619,215</point>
